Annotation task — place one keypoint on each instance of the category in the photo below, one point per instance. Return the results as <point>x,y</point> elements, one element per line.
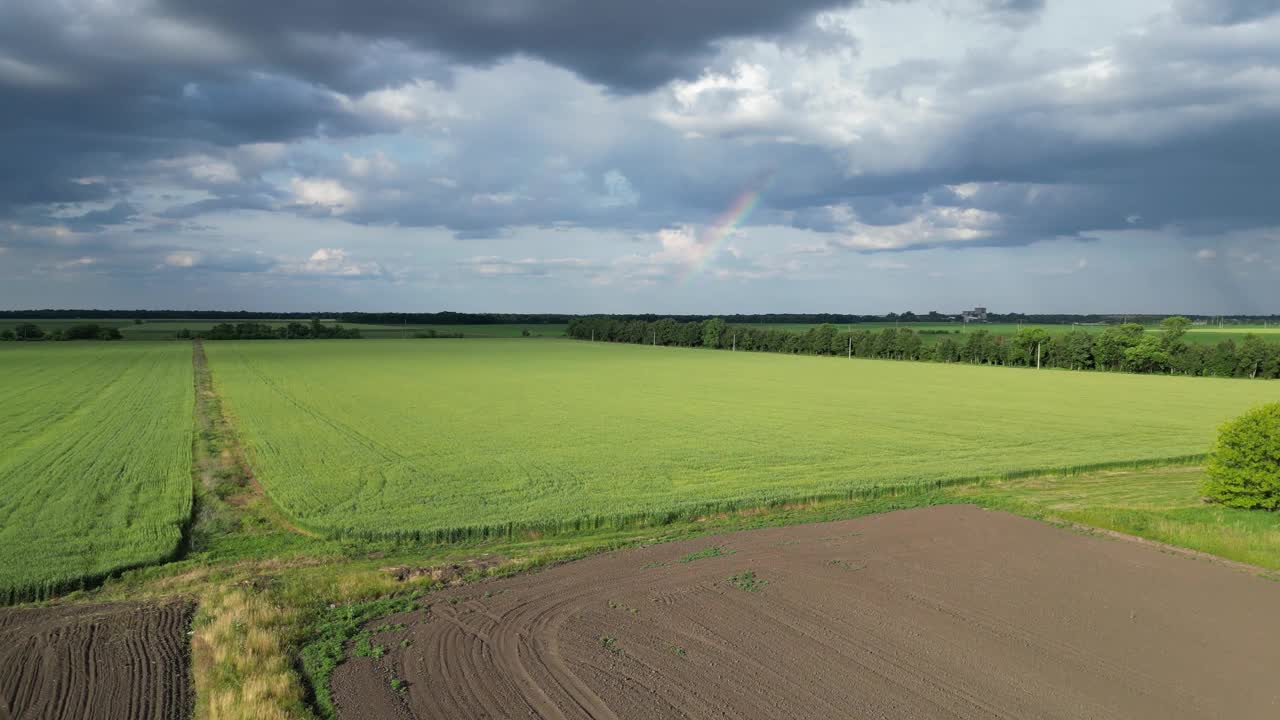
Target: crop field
<point>95,460</point>
<point>471,437</point>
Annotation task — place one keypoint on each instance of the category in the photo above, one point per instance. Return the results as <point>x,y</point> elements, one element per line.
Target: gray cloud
<point>1227,12</point>
<point>1014,12</point>
<point>130,138</point>
<point>626,46</point>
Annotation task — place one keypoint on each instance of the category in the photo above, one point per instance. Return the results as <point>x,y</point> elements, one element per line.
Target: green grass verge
<point>1162,504</point>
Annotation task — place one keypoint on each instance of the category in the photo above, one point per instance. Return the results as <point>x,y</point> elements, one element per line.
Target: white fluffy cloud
<point>181,259</point>
<point>334,262</point>
<point>325,193</point>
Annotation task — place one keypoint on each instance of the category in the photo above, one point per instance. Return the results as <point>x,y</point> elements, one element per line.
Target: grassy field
<point>404,437</point>
<point>167,329</point>
<point>1162,504</point>
<point>936,331</point>
<point>95,460</point>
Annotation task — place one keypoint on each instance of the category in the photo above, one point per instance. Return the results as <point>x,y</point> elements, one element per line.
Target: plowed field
<point>948,612</point>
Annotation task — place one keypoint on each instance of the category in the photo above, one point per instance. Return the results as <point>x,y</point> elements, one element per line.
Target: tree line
<point>1128,347</point>
<point>365,318</point>
<point>459,318</point>
<point>263,331</point>
<point>29,332</point>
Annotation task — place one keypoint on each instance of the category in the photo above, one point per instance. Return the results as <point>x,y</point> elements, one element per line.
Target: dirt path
<point>220,465</point>
<point>948,612</point>
<point>126,660</point>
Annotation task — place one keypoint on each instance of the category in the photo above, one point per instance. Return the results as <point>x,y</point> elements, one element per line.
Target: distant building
<point>978,314</point>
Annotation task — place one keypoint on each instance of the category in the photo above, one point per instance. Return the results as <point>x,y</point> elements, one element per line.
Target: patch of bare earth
<point>122,660</point>
<point>948,612</point>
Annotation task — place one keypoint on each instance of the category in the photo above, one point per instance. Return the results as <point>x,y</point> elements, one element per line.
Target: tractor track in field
<point>943,612</point>
<point>228,464</point>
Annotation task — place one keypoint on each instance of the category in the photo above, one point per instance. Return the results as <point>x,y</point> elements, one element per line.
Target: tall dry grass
<point>240,661</point>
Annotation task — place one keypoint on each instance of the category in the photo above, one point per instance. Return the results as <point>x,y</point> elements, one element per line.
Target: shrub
<point>1244,470</point>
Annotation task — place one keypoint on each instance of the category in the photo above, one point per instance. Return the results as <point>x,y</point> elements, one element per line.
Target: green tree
<point>821,339</point>
<point>1244,469</point>
<point>666,329</point>
<point>1026,344</point>
<point>1109,351</point>
<point>1253,355</point>
<point>1173,328</point>
<point>712,330</point>
<point>1077,350</point>
<point>1147,356</point>
<point>27,331</point>
<point>908,344</point>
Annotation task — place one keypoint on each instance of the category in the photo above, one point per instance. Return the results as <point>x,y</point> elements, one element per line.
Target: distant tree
<point>1076,350</point>
<point>1244,469</point>
<point>821,340</point>
<point>1173,328</point>
<point>1148,356</point>
<point>666,330</point>
<point>908,344</point>
<point>7,335</point>
<point>28,331</point>
<point>1115,341</point>
<point>712,331</point>
<point>979,347</point>
<point>1025,345</point>
<point>1252,356</point>
<point>86,331</point>
<point>947,350</point>
<point>1222,362</point>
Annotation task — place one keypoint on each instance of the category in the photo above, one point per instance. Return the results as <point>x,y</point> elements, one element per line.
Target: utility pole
<point>655,338</point>
<point>1037,356</point>
<point>735,343</point>
<point>850,346</point>
<point>593,335</point>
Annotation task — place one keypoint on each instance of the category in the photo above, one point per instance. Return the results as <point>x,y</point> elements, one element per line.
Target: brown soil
<point>932,613</point>
<point>126,660</point>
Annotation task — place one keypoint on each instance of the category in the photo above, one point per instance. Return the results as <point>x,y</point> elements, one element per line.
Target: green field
<point>95,460</point>
<point>396,437</point>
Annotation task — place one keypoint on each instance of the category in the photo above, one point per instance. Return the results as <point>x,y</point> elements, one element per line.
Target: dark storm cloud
<point>97,92</point>
<point>624,45</point>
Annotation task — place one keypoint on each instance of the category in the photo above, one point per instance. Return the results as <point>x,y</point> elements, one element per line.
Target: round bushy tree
<point>1244,469</point>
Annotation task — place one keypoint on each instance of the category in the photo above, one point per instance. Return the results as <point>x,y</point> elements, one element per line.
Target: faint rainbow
<point>716,233</point>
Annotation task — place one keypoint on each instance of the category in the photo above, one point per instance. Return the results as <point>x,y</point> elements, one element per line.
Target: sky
<point>668,156</point>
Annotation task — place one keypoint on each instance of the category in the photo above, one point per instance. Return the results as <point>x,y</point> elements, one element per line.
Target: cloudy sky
<point>659,156</point>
